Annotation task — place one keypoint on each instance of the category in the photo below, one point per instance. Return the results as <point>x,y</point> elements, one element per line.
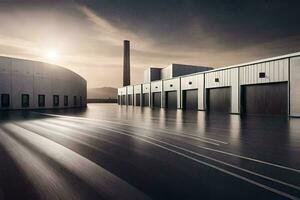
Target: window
<point>66,100</point>
<point>5,101</point>
<point>75,101</point>
<point>80,100</point>
<point>25,100</point>
<point>41,100</point>
<point>55,100</point>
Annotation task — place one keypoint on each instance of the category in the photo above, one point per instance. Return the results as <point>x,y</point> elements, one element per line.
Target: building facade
<point>263,87</point>
<point>26,84</point>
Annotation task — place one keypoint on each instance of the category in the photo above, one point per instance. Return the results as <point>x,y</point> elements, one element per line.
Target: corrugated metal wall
<point>281,70</point>
<point>295,86</point>
<point>194,82</point>
<point>226,78</point>
<point>172,85</point>
<point>275,71</point>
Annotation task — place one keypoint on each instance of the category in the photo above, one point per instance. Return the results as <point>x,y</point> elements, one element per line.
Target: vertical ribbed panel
<point>276,71</point>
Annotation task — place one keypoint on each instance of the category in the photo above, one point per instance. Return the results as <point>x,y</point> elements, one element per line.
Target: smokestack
<point>126,63</point>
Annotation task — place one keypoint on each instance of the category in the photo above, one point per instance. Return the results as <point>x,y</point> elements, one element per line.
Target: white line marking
<point>200,155</point>
<point>163,131</point>
<point>240,156</point>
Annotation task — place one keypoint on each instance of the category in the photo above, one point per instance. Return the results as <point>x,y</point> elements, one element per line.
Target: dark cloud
<point>90,32</point>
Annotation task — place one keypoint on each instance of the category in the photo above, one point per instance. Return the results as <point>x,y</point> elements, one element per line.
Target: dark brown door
<point>146,99</point>
<point>190,99</point>
<point>123,99</point>
<point>219,100</point>
<point>156,99</point>
<point>171,100</point>
<point>130,99</point>
<point>138,100</point>
<point>265,99</point>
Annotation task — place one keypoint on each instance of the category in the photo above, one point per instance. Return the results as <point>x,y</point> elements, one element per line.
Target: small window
<point>41,100</point>
<point>190,83</point>
<point>217,80</point>
<point>55,100</point>
<point>66,100</point>
<point>25,100</point>
<point>171,85</point>
<point>5,100</point>
<point>262,74</point>
<point>75,101</point>
<point>80,100</point>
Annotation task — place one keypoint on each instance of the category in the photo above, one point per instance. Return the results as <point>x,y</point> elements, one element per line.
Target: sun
<point>52,56</point>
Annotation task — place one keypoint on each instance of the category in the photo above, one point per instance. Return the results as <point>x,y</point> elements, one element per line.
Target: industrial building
<point>262,87</point>
<point>26,84</point>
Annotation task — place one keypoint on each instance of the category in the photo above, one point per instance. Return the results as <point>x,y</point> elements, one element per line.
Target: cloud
<point>89,41</point>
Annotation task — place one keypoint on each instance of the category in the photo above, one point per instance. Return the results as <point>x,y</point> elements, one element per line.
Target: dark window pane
<point>55,100</point>
<point>75,101</point>
<point>5,100</point>
<point>66,100</point>
<point>25,100</point>
<point>41,100</point>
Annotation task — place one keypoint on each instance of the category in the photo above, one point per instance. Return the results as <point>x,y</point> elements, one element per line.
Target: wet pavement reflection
<point>108,151</point>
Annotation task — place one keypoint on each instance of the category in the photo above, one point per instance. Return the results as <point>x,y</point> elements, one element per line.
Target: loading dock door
<point>219,100</point>
<point>138,100</point>
<point>265,99</point>
<point>156,99</point>
<point>119,99</point>
<point>190,99</point>
<point>130,99</point>
<point>146,99</point>
<point>123,99</point>
<point>171,100</point>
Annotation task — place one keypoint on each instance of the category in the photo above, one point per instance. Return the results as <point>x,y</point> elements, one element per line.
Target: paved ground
<point>113,152</point>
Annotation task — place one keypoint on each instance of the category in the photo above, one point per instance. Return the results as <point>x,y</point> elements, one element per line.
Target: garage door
<point>265,99</point>
<point>157,99</point>
<point>138,100</point>
<point>219,100</point>
<point>190,99</point>
<point>130,99</point>
<point>123,100</point>
<point>171,100</point>
<point>146,99</point>
<point>119,99</point>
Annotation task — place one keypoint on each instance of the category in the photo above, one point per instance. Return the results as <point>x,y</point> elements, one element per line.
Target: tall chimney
<point>126,63</point>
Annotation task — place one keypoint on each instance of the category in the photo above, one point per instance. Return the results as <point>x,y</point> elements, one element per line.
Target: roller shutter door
<point>265,99</point>
<point>157,99</point>
<point>138,100</point>
<point>130,99</point>
<point>219,100</point>
<point>190,99</point>
<point>123,100</point>
<point>146,99</point>
<point>119,99</point>
<point>171,100</point>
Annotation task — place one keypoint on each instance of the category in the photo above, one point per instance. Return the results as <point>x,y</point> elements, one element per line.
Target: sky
<point>86,36</point>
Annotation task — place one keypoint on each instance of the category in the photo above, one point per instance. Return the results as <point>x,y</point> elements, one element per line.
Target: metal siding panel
<point>294,86</point>
<point>201,89</point>
<point>234,73</point>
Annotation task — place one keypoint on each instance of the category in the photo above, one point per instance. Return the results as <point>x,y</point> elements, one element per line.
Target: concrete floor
<point>117,152</point>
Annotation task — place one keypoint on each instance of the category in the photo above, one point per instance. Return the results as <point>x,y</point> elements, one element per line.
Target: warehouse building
<point>26,84</point>
<point>263,87</point>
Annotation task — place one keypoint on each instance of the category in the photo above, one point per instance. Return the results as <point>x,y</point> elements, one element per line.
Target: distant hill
<point>102,93</point>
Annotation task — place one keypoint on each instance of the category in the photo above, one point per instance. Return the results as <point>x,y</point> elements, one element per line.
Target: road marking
<point>200,138</point>
<point>240,156</point>
<point>200,155</point>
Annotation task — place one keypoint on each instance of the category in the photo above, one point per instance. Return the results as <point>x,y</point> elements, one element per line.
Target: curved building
<point>26,84</point>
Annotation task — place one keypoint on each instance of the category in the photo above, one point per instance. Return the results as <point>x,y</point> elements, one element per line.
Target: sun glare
<point>52,56</point>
